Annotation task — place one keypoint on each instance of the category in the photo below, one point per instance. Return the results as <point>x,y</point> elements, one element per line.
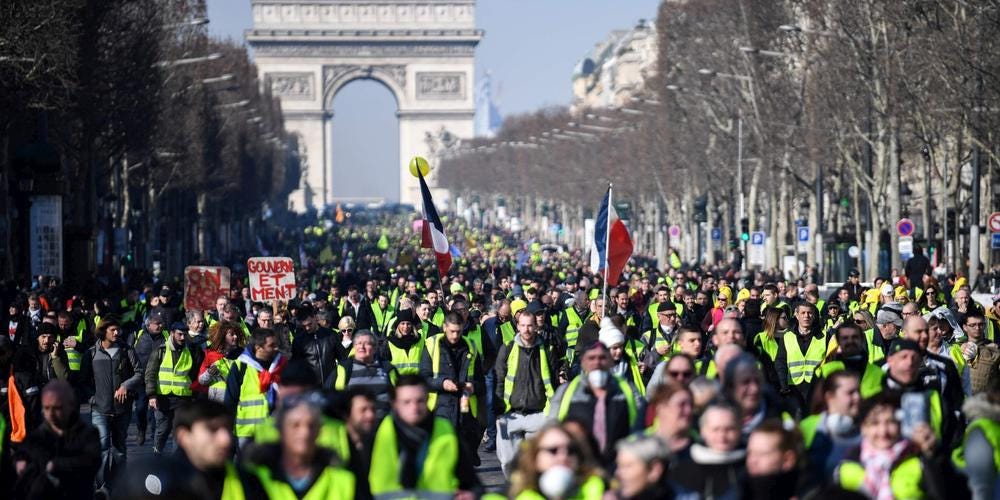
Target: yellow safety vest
<point>573,324</point>
<point>174,378</point>
<point>767,345</point>
<point>436,478</point>
<point>575,385</point>
<point>508,383</point>
<point>507,332</point>
<point>406,362</point>
<point>991,431</point>
<point>801,367</point>
<point>334,483</point>
<point>904,479</point>
<point>434,350</point>
<point>232,487</point>
<point>252,410</point>
<point>73,356</point>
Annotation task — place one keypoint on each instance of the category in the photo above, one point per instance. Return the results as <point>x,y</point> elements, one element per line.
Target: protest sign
<point>271,278</point>
<point>203,285</point>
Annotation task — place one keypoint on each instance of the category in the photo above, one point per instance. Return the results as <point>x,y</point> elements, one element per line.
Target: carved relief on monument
<point>312,12</point>
<point>297,86</point>
<point>264,48</point>
<point>440,85</point>
<point>395,73</point>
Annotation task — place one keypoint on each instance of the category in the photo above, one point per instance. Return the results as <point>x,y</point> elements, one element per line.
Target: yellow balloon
<point>421,163</point>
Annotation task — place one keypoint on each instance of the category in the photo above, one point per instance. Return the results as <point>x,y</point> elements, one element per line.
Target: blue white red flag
<point>432,235</point>
<point>614,249</point>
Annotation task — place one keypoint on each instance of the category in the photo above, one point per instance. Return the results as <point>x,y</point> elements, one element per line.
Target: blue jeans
<point>113,429</point>
<point>491,414</point>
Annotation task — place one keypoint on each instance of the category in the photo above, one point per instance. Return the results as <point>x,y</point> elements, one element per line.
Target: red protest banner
<point>271,278</point>
<point>203,285</point>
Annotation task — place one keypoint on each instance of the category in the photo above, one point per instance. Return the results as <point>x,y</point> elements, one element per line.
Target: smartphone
<point>913,406</point>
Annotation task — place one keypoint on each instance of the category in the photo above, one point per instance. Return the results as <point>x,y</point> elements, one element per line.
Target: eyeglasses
<point>561,449</point>
<point>976,325</point>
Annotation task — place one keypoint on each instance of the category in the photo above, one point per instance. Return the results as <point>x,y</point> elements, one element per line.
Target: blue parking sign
<point>804,233</point>
<point>995,241</point>
<point>757,238</point>
<point>716,234</point>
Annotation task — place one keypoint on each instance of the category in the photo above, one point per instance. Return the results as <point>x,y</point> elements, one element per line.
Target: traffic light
<point>745,229</point>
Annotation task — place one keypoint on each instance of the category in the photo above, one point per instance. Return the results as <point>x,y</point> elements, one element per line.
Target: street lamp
<point>198,21</point>
<point>189,60</point>
<point>763,52</point>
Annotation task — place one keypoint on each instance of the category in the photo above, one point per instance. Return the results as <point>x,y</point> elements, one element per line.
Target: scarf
<point>414,442</point>
<point>878,468</point>
<point>269,377</point>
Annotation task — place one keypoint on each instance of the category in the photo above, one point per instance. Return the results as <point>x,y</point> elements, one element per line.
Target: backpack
<point>984,370</point>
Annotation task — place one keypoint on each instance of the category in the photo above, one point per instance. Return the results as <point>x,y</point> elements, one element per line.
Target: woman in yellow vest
<point>297,467</point>
<point>887,465</point>
<point>554,464</point>
<point>765,343</point>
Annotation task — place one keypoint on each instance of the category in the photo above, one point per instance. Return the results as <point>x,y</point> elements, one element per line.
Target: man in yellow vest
<point>416,455</point>
<point>572,319</point>
<point>453,370</point>
<point>251,383</point>
<point>203,430</point>
<point>169,373</point>
<point>801,350</point>
<point>524,374</point>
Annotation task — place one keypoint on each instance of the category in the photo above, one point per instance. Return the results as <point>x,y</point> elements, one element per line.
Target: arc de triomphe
<point>423,51</point>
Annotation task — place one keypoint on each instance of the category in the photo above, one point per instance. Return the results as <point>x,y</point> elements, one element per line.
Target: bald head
<point>915,329</point>
<point>728,331</point>
<point>58,405</point>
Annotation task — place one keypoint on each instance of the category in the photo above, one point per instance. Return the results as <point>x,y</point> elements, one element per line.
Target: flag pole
<point>607,245</point>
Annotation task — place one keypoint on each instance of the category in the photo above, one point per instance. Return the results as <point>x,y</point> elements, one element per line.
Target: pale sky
<point>531,47</point>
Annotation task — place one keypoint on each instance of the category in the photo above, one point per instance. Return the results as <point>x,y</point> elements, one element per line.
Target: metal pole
<point>817,231</point>
<point>739,164</point>
<point>976,169</point>
<point>607,246</point>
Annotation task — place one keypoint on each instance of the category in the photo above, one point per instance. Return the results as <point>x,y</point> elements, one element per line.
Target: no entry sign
<point>271,278</point>
<point>905,227</point>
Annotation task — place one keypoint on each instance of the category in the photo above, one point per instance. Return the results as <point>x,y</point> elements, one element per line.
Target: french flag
<point>614,244</point>
<point>432,234</point>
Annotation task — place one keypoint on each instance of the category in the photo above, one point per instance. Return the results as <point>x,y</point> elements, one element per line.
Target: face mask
<point>839,425</point>
<point>556,482</point>
<point>597,378</point>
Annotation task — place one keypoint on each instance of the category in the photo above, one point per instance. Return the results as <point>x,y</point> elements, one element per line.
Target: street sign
<point>755,255</point>
<point>994,222</point>
<point>803,234</point>
<point>905,227</point>
<point>995,241</point>
<point>906,246</point>
<point>716,234</point>
<point>675,236</point>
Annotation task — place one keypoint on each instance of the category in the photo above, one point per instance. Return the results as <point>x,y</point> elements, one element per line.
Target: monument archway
<point>422,51</point>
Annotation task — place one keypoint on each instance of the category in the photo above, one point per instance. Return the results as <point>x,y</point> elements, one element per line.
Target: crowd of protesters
<point>384,380</point>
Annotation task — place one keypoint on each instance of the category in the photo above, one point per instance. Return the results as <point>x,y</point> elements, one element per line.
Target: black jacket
<point>364,318</point>
<point>32,370</point>
<point>528,395</point>
<point>453,365</point>
<point>322,350</point>
<point>75,456</point>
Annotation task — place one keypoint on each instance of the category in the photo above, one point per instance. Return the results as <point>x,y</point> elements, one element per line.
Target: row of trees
<point>160,139</point>
<point>845,115</point>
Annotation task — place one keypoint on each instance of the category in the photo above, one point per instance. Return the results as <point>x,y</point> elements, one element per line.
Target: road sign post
<point>756,255</point>
<point>993,223</point>
<point>905,227</point>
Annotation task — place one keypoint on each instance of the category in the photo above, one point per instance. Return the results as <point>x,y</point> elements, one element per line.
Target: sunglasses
<point>680,374</point>
<point>348,330</point>
<point>556,450</point>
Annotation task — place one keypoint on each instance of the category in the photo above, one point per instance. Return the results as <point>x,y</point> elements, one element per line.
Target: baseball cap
<point>903,345</point>
<point>854,273</point>
<point>887,315</point>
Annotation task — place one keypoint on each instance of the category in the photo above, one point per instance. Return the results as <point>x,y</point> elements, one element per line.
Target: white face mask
<point>597,378</point>
<point>556,482</point>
